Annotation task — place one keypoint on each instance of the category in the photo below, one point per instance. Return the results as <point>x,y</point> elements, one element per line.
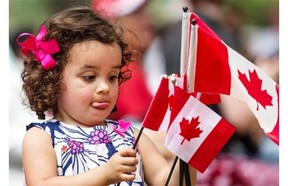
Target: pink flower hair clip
<point>40,48</point>
<point>122,127</point>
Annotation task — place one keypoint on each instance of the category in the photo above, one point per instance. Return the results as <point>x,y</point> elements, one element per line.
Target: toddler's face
<point>91,83</point>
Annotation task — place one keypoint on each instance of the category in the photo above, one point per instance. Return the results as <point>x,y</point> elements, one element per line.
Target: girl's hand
<point>121,166</point>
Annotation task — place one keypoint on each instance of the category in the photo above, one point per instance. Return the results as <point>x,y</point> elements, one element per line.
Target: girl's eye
<point>89,78</point>
<point>113,78</point>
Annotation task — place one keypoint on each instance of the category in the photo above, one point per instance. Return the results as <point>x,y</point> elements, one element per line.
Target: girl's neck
<point>79,124</point>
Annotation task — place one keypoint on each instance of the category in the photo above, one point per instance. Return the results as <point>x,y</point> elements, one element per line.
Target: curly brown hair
<point>68,27</point>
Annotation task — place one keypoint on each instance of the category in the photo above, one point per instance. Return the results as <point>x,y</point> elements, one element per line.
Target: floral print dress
<point>79,149</point>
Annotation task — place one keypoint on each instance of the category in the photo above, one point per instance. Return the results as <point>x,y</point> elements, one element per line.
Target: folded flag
<point>197,133</point>
<point>158,115</point>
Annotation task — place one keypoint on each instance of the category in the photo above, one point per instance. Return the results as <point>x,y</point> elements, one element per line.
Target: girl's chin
<point>99,120</point>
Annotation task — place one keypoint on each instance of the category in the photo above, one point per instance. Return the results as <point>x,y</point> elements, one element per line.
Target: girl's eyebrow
<point>95,67</point>
<point>87,67</point>
<point>117,66</point>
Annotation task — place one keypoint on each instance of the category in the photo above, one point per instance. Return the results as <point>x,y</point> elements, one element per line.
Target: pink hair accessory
<point>40,48</point>
<point>122,127</point>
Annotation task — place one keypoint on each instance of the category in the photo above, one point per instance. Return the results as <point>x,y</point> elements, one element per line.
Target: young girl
<point>73,69</point>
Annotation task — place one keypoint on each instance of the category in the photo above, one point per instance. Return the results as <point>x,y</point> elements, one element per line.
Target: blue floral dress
<point>79,149</point>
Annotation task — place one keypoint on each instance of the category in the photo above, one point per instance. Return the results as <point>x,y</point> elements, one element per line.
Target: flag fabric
<point>159,114</point>
<point>218,69</point>
<point>197,133</point>
<point>186,37</point>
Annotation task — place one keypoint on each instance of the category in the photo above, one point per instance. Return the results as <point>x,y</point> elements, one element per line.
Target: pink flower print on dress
<point>122,127</point>
<point>75,147</point>
<point>99,136</point>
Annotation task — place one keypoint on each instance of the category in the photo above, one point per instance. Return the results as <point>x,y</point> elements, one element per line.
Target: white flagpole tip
<point>165,76</point>
<point>173,78</point>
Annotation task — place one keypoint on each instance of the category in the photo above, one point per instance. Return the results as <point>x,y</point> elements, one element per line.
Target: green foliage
<point>255,11</point>
<point>27,13</point>
<point>31,13</point>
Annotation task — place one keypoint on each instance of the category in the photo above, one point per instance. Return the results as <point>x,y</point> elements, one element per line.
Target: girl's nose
<point>102,87</point>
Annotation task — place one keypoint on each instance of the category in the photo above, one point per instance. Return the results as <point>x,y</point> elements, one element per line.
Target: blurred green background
<point>31,13</point>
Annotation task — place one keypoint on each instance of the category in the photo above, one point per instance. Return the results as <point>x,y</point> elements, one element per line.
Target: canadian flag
<point>159,114</point>
<point>197,133</point>
<point>218,69</point>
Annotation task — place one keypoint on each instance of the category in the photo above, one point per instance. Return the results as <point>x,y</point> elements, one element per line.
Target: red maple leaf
<point>254,89</point>
<point>190,130</point>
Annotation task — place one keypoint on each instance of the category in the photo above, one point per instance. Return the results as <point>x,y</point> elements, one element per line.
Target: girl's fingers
<point>128,152</point>
<point>128,169</point>
<point>130,161</point>
<point>128,177</point>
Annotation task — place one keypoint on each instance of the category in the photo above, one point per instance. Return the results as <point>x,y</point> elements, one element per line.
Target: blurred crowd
<point>154,31</point>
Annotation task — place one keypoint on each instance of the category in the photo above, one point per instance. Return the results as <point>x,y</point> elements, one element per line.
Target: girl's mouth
<point>100,105</point>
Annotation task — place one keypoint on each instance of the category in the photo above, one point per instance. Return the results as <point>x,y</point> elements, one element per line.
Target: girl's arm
<point>158,139</point>
<point>40,166</point>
